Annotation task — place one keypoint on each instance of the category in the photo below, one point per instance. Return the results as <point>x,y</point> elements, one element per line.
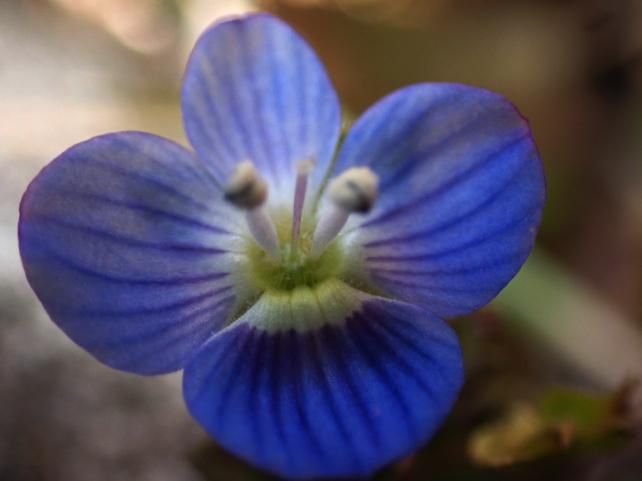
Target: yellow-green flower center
<point>294,263</point>
<point>294,270</point>
<point>305,308</point>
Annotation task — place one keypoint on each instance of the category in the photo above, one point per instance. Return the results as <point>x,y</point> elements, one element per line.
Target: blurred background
<point>554,364</point>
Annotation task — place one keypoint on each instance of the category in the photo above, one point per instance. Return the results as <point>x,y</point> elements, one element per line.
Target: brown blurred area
<point>72,69</point>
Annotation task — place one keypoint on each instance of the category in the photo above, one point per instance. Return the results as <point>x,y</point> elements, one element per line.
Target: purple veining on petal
<point>131,267</point>
<point>461,185</point>
<point>254,84</point>
<point>337,401</point>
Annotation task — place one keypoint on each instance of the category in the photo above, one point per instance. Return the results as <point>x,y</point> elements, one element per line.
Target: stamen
<point>247,191</point>
<point>355,190</point>
<point>303,170</point>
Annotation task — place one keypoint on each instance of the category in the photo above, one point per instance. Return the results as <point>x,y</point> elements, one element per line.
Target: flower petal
<point>339,400</point>
<point>126,242</point>
<point>254,90</point>
<point>461,195</point>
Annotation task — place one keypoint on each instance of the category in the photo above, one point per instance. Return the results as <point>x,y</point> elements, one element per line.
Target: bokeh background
<point>553,365</point>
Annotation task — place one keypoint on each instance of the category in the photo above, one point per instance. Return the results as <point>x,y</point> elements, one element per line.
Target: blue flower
<point>302,290</point>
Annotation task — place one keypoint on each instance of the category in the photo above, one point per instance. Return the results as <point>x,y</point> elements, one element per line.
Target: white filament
<point>330,224</point>
<point>263,230</point>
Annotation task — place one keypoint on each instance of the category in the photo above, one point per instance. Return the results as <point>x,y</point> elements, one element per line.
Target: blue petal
<point>125,240</point>
<point>254,90</point>
<point>342,400</point>
<point>461,195</point>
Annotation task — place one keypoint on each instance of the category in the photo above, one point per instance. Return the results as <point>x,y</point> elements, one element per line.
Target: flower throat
<point>290,250</point>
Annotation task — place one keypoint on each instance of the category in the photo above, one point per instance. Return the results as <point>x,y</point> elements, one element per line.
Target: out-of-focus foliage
<point>559,420</point>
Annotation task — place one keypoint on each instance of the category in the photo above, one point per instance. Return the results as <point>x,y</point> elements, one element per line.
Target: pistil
<point>247,191</point>
<point>354,191</point>
<point>303,170</point>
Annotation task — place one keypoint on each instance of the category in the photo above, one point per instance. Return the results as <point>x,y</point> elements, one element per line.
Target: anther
<point>354,191</point>
<point>246,190</point>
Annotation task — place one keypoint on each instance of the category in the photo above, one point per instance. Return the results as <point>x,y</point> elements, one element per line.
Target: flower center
<point>289,250</point>
<point>295,269</point>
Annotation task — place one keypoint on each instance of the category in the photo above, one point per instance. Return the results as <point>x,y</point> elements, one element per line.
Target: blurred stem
<point>548,304</point>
